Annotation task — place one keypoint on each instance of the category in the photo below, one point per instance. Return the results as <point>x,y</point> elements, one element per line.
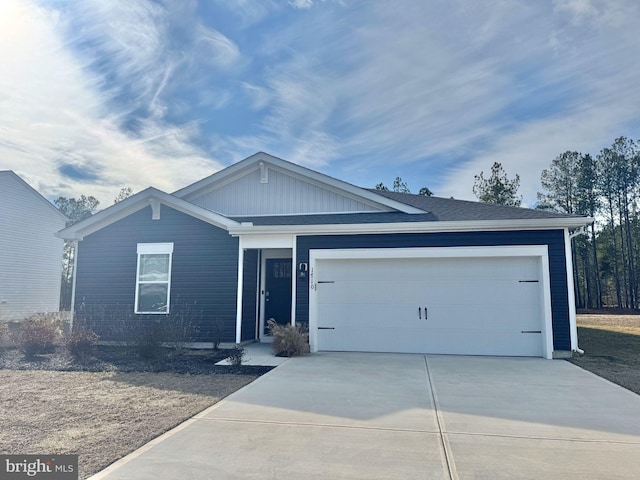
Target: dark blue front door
<point>277,302</point>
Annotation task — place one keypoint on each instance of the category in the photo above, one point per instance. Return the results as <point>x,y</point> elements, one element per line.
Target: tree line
<point>605,186</point>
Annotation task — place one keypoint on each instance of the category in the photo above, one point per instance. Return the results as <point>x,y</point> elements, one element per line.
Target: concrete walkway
<point>258,354</point>
<point>385,416</point>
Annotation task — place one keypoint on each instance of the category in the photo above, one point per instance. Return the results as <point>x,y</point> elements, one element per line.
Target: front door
<point>277,291</point>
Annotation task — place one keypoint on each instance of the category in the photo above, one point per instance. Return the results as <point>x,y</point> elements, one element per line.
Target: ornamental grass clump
<point>288,340</point>
<point>236,355</point>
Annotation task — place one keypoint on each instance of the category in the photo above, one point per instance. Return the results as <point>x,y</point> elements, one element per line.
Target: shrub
<point>37,335</point>
<point>147,338</point>
<point>81,343</point>
<point>236,355</point>
<point>288,340</point>
<point>4,331</point>
<point>181,326</point>
<point>216,333</point>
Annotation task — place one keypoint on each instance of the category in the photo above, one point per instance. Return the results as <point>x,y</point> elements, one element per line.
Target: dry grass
<point>100,416</point>
<point>612,348</point>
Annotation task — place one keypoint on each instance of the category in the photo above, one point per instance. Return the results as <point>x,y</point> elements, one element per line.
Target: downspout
<point>571,286</point>
<point>72,310</point>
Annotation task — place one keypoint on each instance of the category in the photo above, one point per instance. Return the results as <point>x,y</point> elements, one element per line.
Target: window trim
<point>153,249</point>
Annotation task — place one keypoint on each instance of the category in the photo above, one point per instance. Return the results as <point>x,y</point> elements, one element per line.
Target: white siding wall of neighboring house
<point>281,194</point>
<point>30,254</point>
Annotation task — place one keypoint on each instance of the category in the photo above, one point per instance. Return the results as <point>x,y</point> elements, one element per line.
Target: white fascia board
<point>414,227</point>
<point>137,202</point>
<point>228,174</point>
<point>267,241</point>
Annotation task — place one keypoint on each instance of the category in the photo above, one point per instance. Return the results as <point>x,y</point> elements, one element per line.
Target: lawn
<point>612,348</point>
<point>101,415</point>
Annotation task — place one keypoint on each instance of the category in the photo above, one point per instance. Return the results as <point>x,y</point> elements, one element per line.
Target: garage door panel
<point>476,306</point>
<point>370,316</point>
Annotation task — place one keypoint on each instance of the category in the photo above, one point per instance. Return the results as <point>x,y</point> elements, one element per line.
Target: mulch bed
<point>126,359</point>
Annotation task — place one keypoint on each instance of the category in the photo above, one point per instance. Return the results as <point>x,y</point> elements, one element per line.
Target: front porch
<point>266,281</point>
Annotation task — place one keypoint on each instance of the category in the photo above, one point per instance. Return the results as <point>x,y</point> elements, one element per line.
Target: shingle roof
<point>437,210</point>
<point>449,209</point>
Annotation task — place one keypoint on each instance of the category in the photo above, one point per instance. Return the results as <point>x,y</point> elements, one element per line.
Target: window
<point>153,278</point>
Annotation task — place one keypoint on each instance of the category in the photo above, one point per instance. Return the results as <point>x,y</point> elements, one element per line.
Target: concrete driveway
<point>387,416</point>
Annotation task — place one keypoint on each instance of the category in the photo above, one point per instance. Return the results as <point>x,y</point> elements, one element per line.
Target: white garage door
<point>473,306</point>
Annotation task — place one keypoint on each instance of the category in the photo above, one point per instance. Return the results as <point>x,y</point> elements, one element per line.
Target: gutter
<point>248,228</point>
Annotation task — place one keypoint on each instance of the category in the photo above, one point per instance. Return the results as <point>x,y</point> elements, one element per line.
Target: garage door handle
<point>426,315</point>
<point>326,328</point>
<point>420,313</point>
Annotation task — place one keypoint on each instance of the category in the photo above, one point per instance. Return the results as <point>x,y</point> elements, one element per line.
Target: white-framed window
<point>153,278</point>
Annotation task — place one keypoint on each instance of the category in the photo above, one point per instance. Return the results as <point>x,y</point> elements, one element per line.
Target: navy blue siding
<point>203,280</point>
<point>249,294</point>
<point>553,238</point>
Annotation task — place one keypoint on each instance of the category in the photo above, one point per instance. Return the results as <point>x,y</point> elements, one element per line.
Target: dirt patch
<point>104,415</point>
<point>612,348</point>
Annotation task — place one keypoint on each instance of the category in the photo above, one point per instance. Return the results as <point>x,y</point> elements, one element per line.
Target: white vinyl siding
<point>153,278</point>
<point>282,194</point>
<point>30,254</point>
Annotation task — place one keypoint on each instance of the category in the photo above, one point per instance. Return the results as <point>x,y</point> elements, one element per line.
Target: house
<point>30,254</point>
<point>367,270</point>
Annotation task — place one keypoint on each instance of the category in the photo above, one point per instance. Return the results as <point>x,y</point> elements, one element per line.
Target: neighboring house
<point>30,253</point>
<point>367,270</point>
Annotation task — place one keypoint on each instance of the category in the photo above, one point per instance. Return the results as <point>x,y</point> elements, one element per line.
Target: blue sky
<point>96,95</point>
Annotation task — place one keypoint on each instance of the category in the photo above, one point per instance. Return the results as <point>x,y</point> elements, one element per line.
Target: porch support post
<point>72,309</point>
<point>294,280</point>
<point>239,296</point>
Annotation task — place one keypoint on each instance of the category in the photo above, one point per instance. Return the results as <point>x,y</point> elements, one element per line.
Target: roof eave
<point>137,202</point>
<point>415,227</point>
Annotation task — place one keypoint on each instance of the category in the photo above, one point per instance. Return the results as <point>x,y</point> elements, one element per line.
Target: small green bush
<point>37,336</point>
<point>81,343</point>
<point>236,355</point>
<point>288,340</point>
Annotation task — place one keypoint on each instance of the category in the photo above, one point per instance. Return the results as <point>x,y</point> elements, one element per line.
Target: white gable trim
<point>246,228</point>
<point>253,162</point>
<point>150,197</point>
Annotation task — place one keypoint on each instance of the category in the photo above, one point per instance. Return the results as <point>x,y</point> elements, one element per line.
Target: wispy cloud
<point>66,96</point>
<point>446,88</point>
<point>163,93</point>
